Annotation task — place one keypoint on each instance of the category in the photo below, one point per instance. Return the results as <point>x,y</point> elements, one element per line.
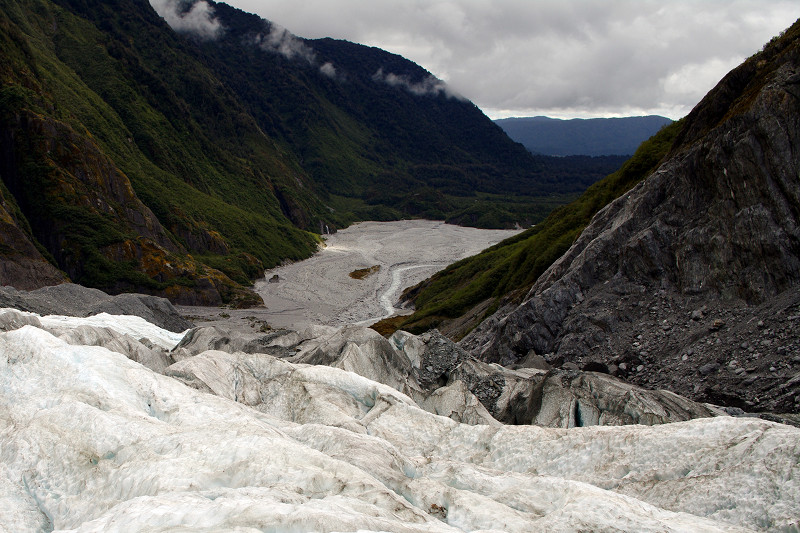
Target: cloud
<point>428,86</point>
<point>328,69</point>
<point>566,58</point>
<point>198,20</point>
<point>282,41</point>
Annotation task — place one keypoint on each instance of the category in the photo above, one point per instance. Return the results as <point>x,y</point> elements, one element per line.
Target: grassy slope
<point>509,269</point>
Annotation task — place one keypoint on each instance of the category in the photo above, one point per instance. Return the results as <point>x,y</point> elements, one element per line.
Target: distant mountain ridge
<point>593,136</point>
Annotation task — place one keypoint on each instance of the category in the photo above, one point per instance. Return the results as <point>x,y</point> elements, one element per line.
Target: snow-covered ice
<point>133,326</point>
<point>93,441</point>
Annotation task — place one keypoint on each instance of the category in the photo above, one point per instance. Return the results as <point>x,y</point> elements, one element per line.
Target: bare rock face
<point>21,263</point>
<point>716,227</point>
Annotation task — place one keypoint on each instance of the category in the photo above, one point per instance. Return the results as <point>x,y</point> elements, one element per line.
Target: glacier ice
<point>91,440</point>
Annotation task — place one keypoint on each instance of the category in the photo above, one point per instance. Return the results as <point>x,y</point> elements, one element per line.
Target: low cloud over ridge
<point>282,41</point>
<point>428,86</point>
<point>198,20</point>
<point>568,58</point>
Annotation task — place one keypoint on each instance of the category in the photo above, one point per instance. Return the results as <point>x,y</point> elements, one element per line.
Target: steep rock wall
<point>716,226</point>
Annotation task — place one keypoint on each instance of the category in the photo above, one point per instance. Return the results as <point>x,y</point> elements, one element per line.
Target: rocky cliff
<point>689,281</point>
<point>21,262</point>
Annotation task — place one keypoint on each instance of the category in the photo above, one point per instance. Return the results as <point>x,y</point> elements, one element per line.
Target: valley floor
<point>320,289</point>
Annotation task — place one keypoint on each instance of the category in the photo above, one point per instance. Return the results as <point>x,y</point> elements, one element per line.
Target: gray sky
<point>565,58</point>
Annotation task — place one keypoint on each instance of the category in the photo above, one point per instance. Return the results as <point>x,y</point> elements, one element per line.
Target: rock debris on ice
<point>91,440</point>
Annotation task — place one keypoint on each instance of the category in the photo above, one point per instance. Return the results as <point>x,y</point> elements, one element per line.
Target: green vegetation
<point>87,115</point>
<point>392,154</point>
<point>509,269</point>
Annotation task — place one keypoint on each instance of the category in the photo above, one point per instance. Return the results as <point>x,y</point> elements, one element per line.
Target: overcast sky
<point>565,58</point>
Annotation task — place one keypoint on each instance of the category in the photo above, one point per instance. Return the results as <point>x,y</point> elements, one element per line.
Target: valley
<point>319,290</point>
<point>203,215</point>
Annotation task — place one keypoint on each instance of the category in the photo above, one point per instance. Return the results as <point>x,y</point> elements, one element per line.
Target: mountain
<point>594,136</point>
<point>117,177</point>
<point>182,161</point>
<point>689,281</point>
<point>459,297</point>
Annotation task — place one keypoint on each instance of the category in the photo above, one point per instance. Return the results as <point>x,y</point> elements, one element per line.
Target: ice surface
<point>92,441</point>
<point>134,326</point>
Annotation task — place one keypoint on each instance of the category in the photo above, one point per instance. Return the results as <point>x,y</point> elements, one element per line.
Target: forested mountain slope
<point>462,295</point>
<point>182,161</point>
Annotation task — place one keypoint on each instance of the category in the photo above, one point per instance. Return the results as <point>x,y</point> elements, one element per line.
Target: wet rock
<point>710,368</point>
